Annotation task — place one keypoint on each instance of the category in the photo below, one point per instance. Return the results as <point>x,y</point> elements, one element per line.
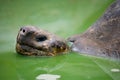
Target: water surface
<point>62,17</point>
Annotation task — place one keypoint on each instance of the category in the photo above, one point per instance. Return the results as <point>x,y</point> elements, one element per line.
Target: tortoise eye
<point>41,38</point>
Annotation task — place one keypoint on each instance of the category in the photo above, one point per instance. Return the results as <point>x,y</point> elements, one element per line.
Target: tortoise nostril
<point>70,40</point>
<point>23,30</point>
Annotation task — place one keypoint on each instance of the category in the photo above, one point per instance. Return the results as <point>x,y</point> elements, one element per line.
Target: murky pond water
<point>62,17</point>
<point>70,67</point>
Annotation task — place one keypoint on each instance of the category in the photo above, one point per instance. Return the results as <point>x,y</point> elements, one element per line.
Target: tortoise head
<point>34,41</point>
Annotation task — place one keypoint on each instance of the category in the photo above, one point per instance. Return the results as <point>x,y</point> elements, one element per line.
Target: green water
<point>62,17</point>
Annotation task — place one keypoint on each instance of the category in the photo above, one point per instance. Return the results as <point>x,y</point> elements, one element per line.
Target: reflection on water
<point>110,67</point>
<point>115,70</point>
<point>47,77</point>
<point>38,65</point>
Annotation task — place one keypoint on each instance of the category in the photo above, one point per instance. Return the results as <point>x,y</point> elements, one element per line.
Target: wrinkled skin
<point>103,37</point>
<point>34,41</point>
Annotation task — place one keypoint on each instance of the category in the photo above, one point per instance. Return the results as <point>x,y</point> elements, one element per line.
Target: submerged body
<point>34,41</point>
<point>103,37</point>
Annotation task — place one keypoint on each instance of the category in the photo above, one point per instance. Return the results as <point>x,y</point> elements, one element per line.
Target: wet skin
<point>103,37</point>
<point>38,42</point>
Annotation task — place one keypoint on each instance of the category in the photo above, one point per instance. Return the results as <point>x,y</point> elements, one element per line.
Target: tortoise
<point>38,42</point>
<point>100,39</point>
<point>103,37</point>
